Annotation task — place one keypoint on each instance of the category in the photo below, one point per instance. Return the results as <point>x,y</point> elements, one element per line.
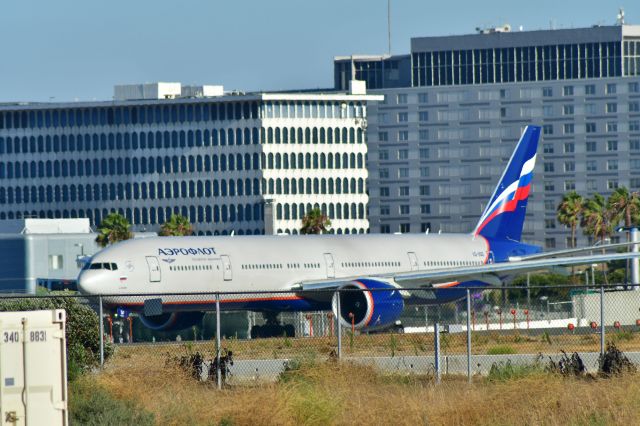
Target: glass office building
<point>437,145</point>
<point>216,160</point>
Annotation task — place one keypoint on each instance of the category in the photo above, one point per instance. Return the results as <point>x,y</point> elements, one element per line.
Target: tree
<point>625,206</point>
<point>570,211</point>
<point>315,222</point>
<point>176,226</point>
<point>598,218</point>
<point>112,229</point>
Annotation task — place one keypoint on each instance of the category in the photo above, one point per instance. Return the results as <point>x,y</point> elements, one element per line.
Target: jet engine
<point>174,321</point>
<point>368,304</point>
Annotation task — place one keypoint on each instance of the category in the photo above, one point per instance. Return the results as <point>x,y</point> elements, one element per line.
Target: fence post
<point>218,369</point>
<point>601,319</point>
<point>436,349</point>
<point>469,335</point>
<point>100,313</point>
<point>338,324</point>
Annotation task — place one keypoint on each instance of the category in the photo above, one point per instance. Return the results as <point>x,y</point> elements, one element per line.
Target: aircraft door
<point>331,269</point>
<point>413,260</point>
<point>154,269</point>
<point>227,273</point>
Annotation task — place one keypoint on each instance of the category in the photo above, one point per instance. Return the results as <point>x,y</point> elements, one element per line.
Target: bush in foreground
<point>90,404</point>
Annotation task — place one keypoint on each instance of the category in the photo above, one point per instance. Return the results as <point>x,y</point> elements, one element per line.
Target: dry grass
<point>343,393</point>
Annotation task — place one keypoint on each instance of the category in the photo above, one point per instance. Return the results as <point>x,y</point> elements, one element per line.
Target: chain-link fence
<point>240,337</point>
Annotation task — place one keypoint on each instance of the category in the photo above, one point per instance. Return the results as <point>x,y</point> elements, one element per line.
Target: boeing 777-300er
<point>171,281</point>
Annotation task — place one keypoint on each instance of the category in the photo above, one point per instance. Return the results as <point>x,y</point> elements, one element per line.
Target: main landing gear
<point>272,328</point>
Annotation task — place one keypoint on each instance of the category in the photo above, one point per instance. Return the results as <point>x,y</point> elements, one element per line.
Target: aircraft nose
<point>88,283</point>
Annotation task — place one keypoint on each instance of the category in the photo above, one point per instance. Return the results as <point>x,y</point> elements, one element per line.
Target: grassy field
<point>332,393</point>
<point>386,345</point>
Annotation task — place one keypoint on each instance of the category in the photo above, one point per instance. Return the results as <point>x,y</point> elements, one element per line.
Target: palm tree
<point>598,220</point>
<point>625,205</point>
<point>112,229</point>
<point>315,222</point>
<point>176,226</point>
<point>570,212</point>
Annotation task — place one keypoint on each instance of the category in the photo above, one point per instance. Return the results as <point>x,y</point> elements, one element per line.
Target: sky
<point>77,50</point>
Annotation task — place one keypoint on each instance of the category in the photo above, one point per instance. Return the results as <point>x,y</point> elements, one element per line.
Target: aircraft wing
<point>562,253</point>
<point>489,273</point>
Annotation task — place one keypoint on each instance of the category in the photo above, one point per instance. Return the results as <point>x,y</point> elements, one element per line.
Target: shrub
<point>82,328</point>
<point>567,365</point>
<point>90,404</point>
<point>503,371</point>
<point>614,362</point>
<point>501,350</point>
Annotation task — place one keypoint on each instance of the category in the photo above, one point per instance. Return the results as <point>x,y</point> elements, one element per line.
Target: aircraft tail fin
<point>503,218</point>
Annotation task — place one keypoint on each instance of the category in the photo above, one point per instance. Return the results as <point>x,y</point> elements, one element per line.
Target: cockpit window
<point>103,265</point>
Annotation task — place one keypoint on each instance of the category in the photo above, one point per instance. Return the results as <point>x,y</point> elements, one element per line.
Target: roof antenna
<point>620,17</point>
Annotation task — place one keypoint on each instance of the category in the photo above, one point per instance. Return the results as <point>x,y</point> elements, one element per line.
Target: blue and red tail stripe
<point>504,216</point>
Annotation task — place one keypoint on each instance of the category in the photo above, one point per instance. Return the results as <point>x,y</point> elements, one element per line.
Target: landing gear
<point>272,328</point>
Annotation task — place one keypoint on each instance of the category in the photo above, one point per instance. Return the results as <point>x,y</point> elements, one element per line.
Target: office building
<point>215,158</point>
<point>456,105</point>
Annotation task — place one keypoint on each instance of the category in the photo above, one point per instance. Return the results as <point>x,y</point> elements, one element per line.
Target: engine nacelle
<point>174,321</point>
<point>378,308</point>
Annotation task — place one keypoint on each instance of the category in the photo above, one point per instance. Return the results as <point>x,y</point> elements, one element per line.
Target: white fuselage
<point>175,265</point>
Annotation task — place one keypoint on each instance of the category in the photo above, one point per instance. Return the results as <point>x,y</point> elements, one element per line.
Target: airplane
<point>171,281</point>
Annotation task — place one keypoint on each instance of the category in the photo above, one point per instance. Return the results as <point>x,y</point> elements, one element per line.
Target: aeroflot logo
<point>186,251</point>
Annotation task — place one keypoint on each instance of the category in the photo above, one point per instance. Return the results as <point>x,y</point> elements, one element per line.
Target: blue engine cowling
<point>378,308</point>
<point>174,321</point>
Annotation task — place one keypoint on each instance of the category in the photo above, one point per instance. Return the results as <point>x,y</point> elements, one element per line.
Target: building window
<point>403,117</point>
<point>612,145</point>
<point>403,154</point>
<point>423,134</point>
<point>384,210</point>
<point>547,92</point>
<point>404,209</point>
<point>424,153</point>
<point>612,107</point>
<point>567,109</point>
<point>55,261</point>
<point>567,90</point>
<point>425,190</point>
<point>385,229</point>
<point>569,185</point>
<point>634,183</point>
<point>634,144</point>
<point>590,127</point>
<point>592,185</point>
<point>549,223</point>
<point>547,148</point>
<point>383,173</point>
<point>569,166</point>
<point>612,127</point>
<point>547,129</point>
<point>403,191</point>
<point>634,106</point>
<point>403,135</point>
<point>590,89</point>
<point>423,98</point>
<point>549,186</point>
<point>383,136</point>
<point>592,165</point>
<point>569,147</point>
<point>425,209</point>
<point>611,89</point>
<point>423,116</point>
<point>634,87</point>
<point>424,171</point>
<point>402,98</point>
<point>384,191</point>
<point>403,172</point>
<point>612,165</point>
<point>549,167</point>
<point>612,184</point>
<point>550,243</point>
<point>589,109</point>
<point>591,146</point>
<point>634,164</point>
<point>549,205</point>
<point>547,111</point>
<point>405,228</point>
<point>383,154</point>
<point>634,125</point>
<point>569,128</point>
